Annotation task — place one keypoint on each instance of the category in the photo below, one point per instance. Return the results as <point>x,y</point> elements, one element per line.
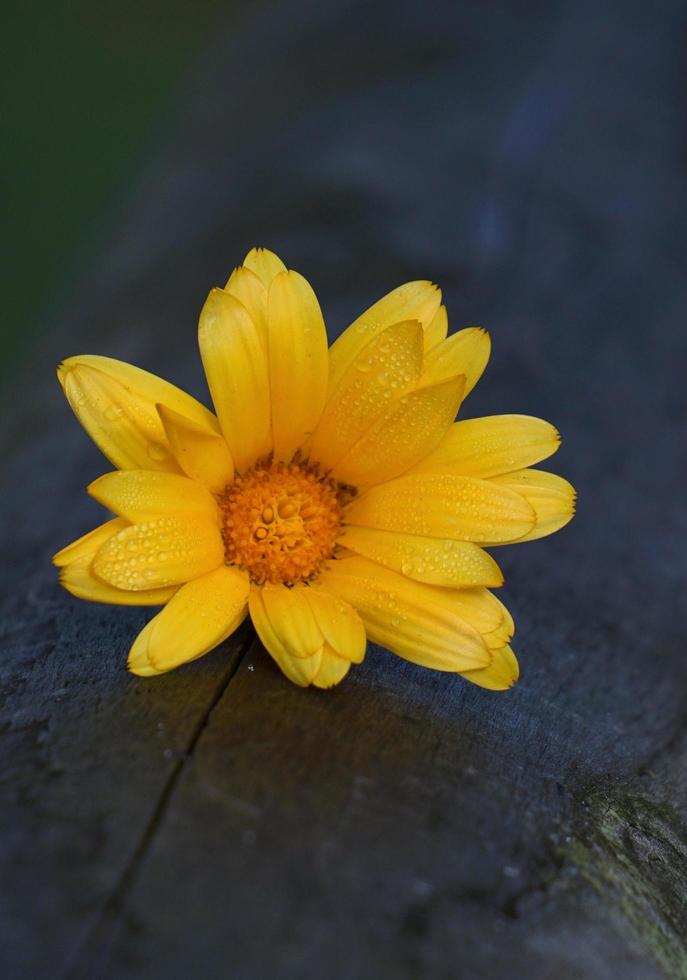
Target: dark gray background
<point>219,822</point>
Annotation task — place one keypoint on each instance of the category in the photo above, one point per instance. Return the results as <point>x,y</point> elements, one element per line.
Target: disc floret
<point>281,521</point>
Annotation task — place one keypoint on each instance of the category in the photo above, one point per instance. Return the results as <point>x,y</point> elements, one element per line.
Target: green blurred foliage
<point>85,89</point>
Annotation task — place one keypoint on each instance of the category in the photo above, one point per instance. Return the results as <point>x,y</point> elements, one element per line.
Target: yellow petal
<point>444,505</point>
<point>490,446</point>
<point>202,455</point>
<point>411,428</point>
<point>265,264</point>
<point>437,561</point>
<point>159,553</point>
<point>551,497</point>
<point>236,370</point>
<point>480,608</point>
<point>340,625</point>
<point>143,495</point>
<point>413,301</point>
<point>332,669</point>
<point>292,619</point>
<point>501,674</point>
<point>418,622</point>
<point>249,290</point>
<point>202,614</point>
<point>300,670</point>
<point>138,662</point>
<point>89,543</point>
<point>115,402</point>
<point>503,633</point>
<point>297,346</point>
<point>77,577</point>
<point>381,371</point>
<point>465,352</point>
<point>437,329</point>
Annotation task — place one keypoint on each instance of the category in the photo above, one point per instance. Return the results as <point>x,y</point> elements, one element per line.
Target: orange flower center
<point>281,521</point>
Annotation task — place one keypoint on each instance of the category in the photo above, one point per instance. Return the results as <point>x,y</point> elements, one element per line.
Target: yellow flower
<point>333,496</point>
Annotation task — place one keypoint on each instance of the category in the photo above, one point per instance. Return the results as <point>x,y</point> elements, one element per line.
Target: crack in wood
<point>91,954</point>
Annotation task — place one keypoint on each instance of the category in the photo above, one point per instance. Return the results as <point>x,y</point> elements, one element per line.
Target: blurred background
<point>88,89</point>
<point>530,157</point>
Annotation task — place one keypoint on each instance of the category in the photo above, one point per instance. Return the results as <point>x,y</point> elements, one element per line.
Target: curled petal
<point>116,404</point>
<point>202,455</point>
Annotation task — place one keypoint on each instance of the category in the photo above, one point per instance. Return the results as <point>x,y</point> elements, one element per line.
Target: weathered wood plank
<point>220,822</point>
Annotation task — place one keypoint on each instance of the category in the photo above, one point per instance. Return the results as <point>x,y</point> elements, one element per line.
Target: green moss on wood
<point>634,853</point>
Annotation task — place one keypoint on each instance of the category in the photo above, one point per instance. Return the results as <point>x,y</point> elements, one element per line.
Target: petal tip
<point>65,368</point>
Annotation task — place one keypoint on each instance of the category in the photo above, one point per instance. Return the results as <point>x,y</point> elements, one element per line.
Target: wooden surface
<point>219,822</point>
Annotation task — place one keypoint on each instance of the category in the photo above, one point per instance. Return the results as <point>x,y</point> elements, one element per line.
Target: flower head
<point>332,496</point>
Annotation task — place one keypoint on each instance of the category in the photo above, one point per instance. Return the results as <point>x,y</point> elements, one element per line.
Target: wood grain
<point>219,822</point>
